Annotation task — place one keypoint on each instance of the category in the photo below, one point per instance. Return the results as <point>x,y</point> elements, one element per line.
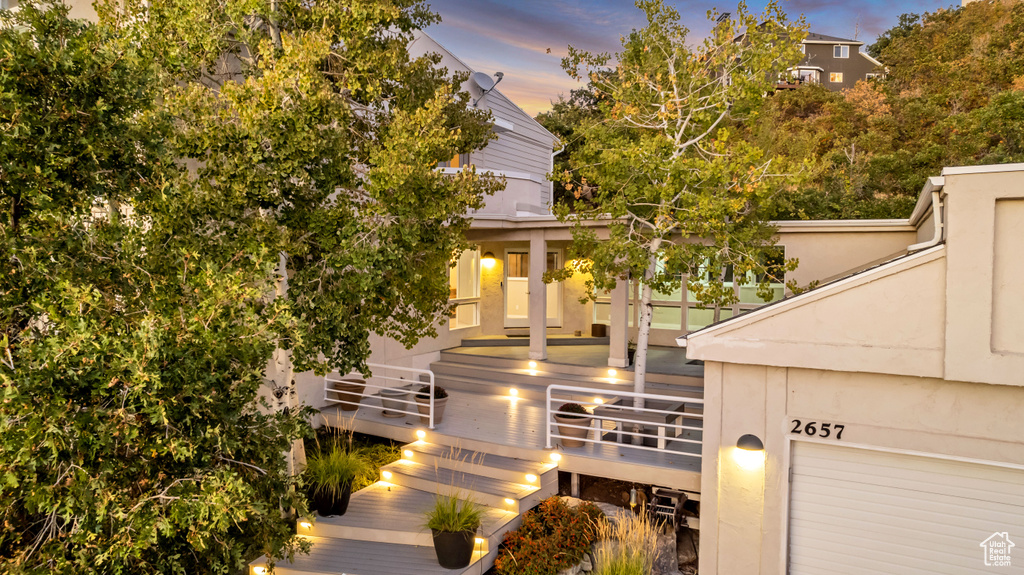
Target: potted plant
<point>392,398</point>
<point>329,475</point>
<point>349,391</point>
<point>423,403</point>
<point>573,414</point>
<point>453,523</point>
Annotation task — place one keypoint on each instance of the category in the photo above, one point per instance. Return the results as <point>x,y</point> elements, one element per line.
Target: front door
<point>517,289</point>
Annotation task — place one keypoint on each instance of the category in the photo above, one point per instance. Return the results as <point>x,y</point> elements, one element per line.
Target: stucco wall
<point>743,526</point>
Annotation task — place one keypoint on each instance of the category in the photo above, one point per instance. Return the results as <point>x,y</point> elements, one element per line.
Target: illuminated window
<point>841,51</point>
<point>835,77</point>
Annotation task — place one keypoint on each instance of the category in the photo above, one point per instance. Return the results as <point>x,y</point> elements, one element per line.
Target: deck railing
<point>386,377</point>
<point>661,425</point>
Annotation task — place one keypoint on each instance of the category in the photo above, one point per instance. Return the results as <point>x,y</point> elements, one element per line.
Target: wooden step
<point>343,556</point>
<point>477,463</point>
<point>390,513</point>
<point>497,493</point>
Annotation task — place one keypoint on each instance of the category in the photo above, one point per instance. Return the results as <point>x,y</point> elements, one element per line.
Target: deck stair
<point>382,532</point>
<point>483,374</point>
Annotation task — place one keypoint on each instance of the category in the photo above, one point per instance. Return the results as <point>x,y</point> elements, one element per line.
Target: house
<point>836,63</point>
<point>874,423</point>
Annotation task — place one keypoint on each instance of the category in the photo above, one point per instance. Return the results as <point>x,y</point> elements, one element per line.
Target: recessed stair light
<point>305,524</point>
<point>407,453</point>
<point>386,475</point>
<point>509,501</point>
<point>531,478</point>
<point>420,433</point>
<point>556,457</point>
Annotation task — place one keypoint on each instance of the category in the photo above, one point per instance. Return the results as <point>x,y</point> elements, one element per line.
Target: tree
<point>680,193</point>
<point>153,170</point>
<point>564,120</point>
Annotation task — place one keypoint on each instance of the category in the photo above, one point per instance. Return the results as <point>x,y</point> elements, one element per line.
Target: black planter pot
<point>454,550</point>
<point>327,504</point>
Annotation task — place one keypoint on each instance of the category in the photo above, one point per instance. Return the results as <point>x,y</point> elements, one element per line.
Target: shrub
<point>550,538</point>
<point>439,392</point>
<point>574,410</point>
<point>330,470</point>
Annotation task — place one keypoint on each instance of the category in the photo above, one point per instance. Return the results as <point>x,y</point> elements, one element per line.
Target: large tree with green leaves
<point>163,175</point>
<point>681,195</point>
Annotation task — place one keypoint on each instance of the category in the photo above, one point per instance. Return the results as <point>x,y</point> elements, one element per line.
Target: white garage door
<point>862,511</point>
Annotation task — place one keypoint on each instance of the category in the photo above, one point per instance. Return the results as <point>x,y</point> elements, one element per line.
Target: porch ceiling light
<point>749,452</point>
<point>488,260</point>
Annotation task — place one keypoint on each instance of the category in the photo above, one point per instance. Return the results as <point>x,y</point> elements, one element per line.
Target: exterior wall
<point>854,68</point>
<point>825,253</point>
<point>973,421</point>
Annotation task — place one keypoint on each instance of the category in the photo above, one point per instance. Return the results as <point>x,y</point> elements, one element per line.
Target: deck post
<point>538,296</point>
<point>619,330</point>
<point>574,484</point>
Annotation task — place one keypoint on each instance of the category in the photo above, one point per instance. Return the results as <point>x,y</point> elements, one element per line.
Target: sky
<point>526,39</point>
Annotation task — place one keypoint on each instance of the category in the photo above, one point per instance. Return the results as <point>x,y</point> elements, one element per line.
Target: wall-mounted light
<point>749,452</point>
<point>488,260</point>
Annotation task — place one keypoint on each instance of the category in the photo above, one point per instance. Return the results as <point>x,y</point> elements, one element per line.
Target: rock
<point>586,565</point>
<point>665,563</point>
<point>687,543</point>
<point>574,570</point>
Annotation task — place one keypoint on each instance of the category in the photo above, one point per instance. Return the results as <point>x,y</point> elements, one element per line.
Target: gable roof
<point>815,38</point>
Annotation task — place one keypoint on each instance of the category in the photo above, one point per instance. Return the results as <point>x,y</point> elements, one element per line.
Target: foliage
<point>156,173</point>
<point>454,514</point>
<point>424,392</point>
<point>565,120</point>
<point>681,194</point>
<point>568,409</point>
<point>551,537</point>
<point>377,455</point>
<point>629,546</point>
<point>329,470</point>
<point>951,97</point>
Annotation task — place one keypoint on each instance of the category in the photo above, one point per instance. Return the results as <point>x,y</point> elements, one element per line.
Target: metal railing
<point>406,378</point>
<point>664,423</point>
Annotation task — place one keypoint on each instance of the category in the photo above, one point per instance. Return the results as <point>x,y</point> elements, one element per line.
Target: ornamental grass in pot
<point>423,403</point>
<point>576,415</point>
<point>329,475</point>
<point>453,522</point>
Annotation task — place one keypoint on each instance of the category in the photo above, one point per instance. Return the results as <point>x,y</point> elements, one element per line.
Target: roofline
<point>872,60</point>
<point>784,226</point>
<point>846,42</point>
<point>924,200</point>
<point>815,293</point>
<point>983,169</point>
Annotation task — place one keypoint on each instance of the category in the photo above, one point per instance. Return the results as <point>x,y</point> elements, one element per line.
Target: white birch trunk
<point>644,326</point>
<point>281,373</point>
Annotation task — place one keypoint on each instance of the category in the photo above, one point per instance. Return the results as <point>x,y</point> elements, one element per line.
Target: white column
<point>538,296</point>
<point>619,329</point>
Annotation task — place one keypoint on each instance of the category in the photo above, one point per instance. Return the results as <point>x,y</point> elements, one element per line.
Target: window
<point>835,77</point>
<point>464,289</point>
<point>840,51</point>
<point>871,76</point>
<point>457,161</point>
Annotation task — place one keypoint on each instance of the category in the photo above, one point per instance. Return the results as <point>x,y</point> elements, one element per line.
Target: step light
<point>259,570</point>
<point>533,365</point>
<point>556,457</point>
<point>531,478</point>
<point>421,434</point>
<point>513,392</point>
<point>509,501</point>
<point>598,400</point>
<point>612,373</point>
<point>387,475</point>
<point>407,453</point>
<point>305,524</point>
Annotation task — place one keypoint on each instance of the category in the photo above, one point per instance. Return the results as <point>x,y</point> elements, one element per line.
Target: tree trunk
<point>644,326</point>
<point>281,372</point>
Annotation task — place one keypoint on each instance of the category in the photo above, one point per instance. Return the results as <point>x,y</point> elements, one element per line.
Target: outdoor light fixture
<point>530,478</point>
<point>306,524</point>
<point>479,541</point>
<point>407,453</point>
<point>632,497</point>
<point>513,392</point>
<point>612,373</point>
<point>420,433</point>
<point>556,457</point>
<point>749,452</point>
<point>386,475</point>
<point>488,260</point>
<point>533,365</point>
<point>509,501</point>
<point>259,570</point>
<point>598,400</point>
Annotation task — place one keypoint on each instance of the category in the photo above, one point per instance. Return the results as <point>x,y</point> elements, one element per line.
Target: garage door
<point>862,511</point>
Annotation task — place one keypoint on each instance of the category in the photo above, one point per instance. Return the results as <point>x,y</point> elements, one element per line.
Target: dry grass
<point>627,547</point>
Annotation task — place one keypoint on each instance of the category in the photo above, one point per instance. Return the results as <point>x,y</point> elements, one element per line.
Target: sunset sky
<point>514,36</point>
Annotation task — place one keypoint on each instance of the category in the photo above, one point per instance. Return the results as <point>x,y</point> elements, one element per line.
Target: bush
<point>551,537</point>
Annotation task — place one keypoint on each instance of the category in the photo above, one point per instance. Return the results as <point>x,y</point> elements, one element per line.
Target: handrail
<point>638,432</point>
<point>378,376</point>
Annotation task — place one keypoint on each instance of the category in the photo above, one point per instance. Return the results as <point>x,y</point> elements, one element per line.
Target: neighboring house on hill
<point>836,63</point>
<point>888,404</point>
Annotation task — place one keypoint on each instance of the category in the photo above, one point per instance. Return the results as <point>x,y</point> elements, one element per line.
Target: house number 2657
<point>815,429</point>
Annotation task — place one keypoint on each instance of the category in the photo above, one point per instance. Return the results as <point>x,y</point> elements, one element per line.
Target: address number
<point>815,429</point>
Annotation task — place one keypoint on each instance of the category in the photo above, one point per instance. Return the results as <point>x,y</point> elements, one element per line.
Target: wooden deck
<point>514,427</point>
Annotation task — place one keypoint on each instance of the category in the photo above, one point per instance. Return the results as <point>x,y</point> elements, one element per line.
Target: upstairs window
<point>841,51</point>
<point>457,161</point>
<point>835,77</point>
